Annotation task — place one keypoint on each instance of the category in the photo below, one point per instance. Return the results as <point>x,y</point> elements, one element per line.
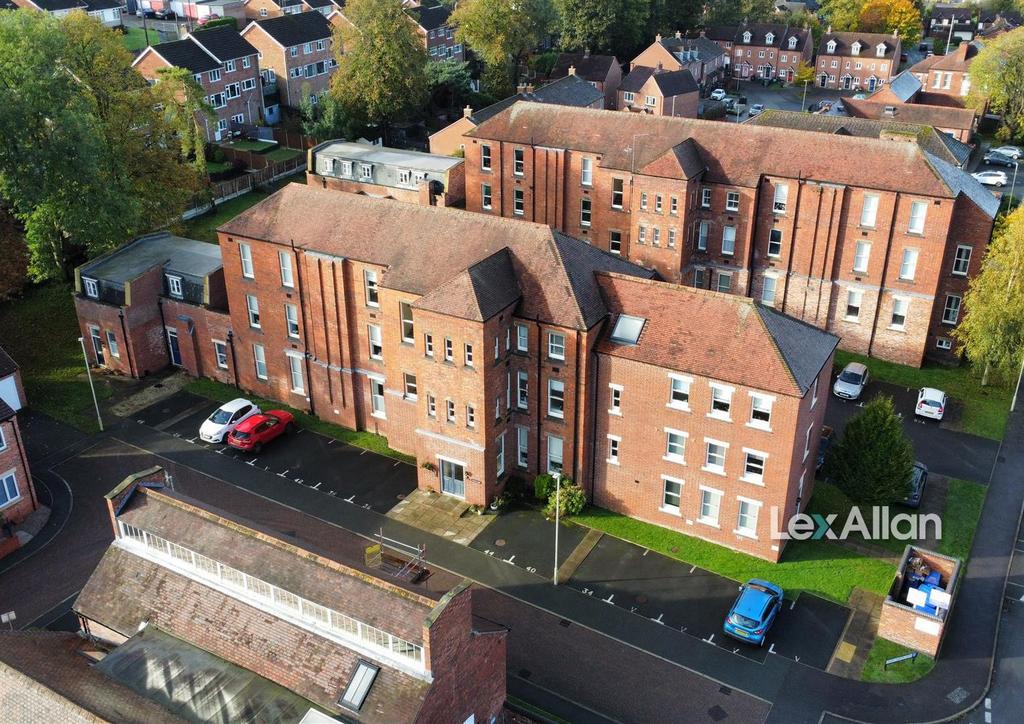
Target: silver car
<point>851,381</point>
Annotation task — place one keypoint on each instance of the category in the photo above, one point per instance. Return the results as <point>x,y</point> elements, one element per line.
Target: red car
<point>256,431</point>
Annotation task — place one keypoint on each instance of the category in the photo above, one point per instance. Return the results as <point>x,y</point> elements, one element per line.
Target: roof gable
<point>289,30</point>
<point>223,43</point>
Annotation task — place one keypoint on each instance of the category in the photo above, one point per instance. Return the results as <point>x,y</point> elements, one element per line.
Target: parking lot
<point>303,458</point>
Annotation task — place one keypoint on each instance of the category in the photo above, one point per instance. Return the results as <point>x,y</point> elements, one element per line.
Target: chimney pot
<point>467,111</point>
<point>529,88</point>
<point>572,70</point>
<point>657,38</point>
<point>679,34</point>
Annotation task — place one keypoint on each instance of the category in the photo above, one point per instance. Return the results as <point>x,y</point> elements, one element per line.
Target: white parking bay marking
<point>283,475</point>
<point>771,649</point>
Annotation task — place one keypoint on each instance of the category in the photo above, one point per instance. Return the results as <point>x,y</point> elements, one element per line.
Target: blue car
<point>754,611</point>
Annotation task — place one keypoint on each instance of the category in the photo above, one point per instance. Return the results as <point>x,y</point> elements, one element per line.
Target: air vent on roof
<point>627,329</point>
<point>890,111</point>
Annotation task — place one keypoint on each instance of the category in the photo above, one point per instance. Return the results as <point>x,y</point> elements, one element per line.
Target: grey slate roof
<point>689,158</point>
<point>868,41</point>
<point>431,15</point>
<point>289,30</point>
<point>186,54</point>
<point>588,67</point>
<point>758,33</point>
<point>568,91</point>
<point>58,5</point>
<point>961,182</point>
<point>705,47</point>
<point>804,348</point>
<point>96,5</point>
<point>7,365</point>
<point>905,85</point>
<point>174,253</point>
<point>635,79</point>
<point>677,82</point>
<point>224,43</point>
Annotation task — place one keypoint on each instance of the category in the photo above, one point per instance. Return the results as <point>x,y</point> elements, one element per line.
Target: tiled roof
<point>97,5</point>
<point>296,29</point>
<point>705,48</point>
<point>477,293</point>
<point>224,43</point>
<point>720,32</point>
<point>430,15</point>
<point>905,86</point>
<point>924,65</point>
<point>960,13</point>
<point>568,91</point>
<point>185,54</point>
<point>7,365</point>
<point>722,336</point>
<point>960,59</point>
<point>803,35</point>
<point>52,6</point>
<point>676,82</point>
<point>635,79</point>
<point>868,43</point>
<point>758,34</point>
<point>739,155</point>
<point>589,67</point>
<point>929,115</point>
<point>422,247</point>
<point>48,673</point>
<point>927,137</point>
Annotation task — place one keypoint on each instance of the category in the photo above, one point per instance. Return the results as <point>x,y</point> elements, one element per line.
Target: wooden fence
<point>224,190</point>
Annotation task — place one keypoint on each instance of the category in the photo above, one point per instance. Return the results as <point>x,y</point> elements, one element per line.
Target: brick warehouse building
<point>873,239</point>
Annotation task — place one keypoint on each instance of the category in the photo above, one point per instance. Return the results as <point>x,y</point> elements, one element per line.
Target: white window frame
<point>666,507</point>
<point>728,240</point>
<point>518,161</point>
<point>252,308</point>
<point>615,399</point>
<point>485,157</point>
<point>371,290</point>
<point>378,406</point>
<point>587,171</point>
<point>769,288</point>
<point>556,349</point>
<point>747,531</point>
<point>946,307</point>
<point>732,201</point>
<point>703,231</point>
<point>716,503</point>
<point>297,381</point>
<point>291,320</point>
<point>522,338</point>
<point>470,417</point>
<point>220,353</point>
<point>558,386</point>
<point>708,467</point>
<point>897,303</point>
<point>754,478</point>
<point>614,448</point>
<point>962,265</point>
<point>780,201</point>
<point>91,288</point>
<point>486,199</point>
<point>259,357</point>
<point>720,393</point>
<point>807,441</point>
<point>284,259</point>
<point>852,294</point>
<point>245,255</point>
<point>551,469</point>
<point>862,256</point>
<point>672,437</point>
<point>758,402</point>
<point>522,447</point>
<point>12,476</point>
<point>908,264</point>
<point>518,202</point>
<point>682,384</point>
<point>112,348</point>
<point>916,223</point>
<point>869,211</point>
<point>174,288</point>
<point>705,198</point>
<point>375,341</point>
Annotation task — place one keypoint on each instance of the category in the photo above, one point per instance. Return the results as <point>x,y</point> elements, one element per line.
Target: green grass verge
<point>985,409</point>
<point>367,440</point>
<point>283,154</point>
<point>40,331</point>
<point>964,502</point>
<point>254,146</point>
<point>218,166</point>
<point>818,567</point>
<point>204,227</point>
<point>135,38</point>
<point>901,673</point>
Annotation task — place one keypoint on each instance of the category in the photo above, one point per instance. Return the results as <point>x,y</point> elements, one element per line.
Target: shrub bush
<point>542,486</point>
<point>570,499</point>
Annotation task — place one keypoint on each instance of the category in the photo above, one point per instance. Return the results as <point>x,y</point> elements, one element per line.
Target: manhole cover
<point>641,599</point>
<point>958,695</point>
<point>500,542</point>
<point>717,713</point>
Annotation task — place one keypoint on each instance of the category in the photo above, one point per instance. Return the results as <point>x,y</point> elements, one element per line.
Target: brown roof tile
<point>868,42</point>
<point>916,113</point>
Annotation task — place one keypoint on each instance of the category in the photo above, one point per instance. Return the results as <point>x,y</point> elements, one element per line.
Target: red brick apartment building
<point>224,65</point>
<point>948,75</point>
<point>857,61</point>
<point>17,493</point>
<point>431,18</point>
<point>872,239</point>
<point>705,59</point>
<point>296,54</point>
<point>769,51</point>
<point>215,618</point>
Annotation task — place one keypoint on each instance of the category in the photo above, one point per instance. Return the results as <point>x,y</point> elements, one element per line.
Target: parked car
<point>851,381</point>
<point>718,94</point>
<point>994,158</point>
<point>754,611</point>
<point>256,431</point>
<point>207,18</point>
<point>148,14</point>
<point>931,403</point>
<point>828,436</point>
<point>1012,151</point>
<point>918,480</point>
<point>991,178</point>
<point>166,15</point>
<point>226,418</point>
<point>756,109</point>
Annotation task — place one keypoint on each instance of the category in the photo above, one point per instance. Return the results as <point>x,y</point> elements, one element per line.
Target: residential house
<point>661,92</point>
<point>601,71</point>
<point>992,23</point>
<point>857,61</point>
<point>278,626</point>
<point>872,239</point>
<point>767,51</point>
<point>568,91</point>
<point>908,100</point>
<point>264,9</point>
<point>225,66</point>
<point>196,10</point>
<point>107,12</point>
<point>392,173</point>
<point>722,35</point>
<point>951,23</point>
<point>17,491</point>
<point>433,23</point>
<point>154,302</point>
<point>947,74</point>
<point>706,61</point>
<point>296,55</point>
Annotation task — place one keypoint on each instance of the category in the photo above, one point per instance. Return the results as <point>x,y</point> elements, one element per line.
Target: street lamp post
<point>558,506</point>
<point>1013,185</point>
<point>88,372</point>
<point>1016,390</point>
<point>803,101</point>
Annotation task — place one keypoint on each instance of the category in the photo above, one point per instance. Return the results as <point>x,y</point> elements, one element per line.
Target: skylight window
<point>627,329</point>
<point>359,686</point>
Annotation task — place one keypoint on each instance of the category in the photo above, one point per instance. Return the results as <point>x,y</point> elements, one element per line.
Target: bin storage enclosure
<point>920,601</point>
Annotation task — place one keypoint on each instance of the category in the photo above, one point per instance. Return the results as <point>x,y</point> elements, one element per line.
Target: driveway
<point>946,452</point>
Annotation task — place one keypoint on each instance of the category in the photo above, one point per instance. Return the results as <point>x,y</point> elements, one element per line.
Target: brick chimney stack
<point>679,35</point>
<point>572,70</point>
<point>657,38</point>
<point>467,111</point>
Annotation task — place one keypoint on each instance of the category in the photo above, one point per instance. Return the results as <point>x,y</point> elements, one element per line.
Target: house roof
<point>670,83</point>
<point>924,65</point>
<point>568,91</point>
<point>196,685</point>
<point>50,665</point>
<point>593,68</point>
<point>720,32</point>
<point>741,157</point>
<point>960,59</point>
<point>174,253</point>
<point>748,344</point>
<point>758,34</point>
<point>705,48</point>
<point>97,5</point>
<point>477,293</point>
<point>929,139</point>
<point>224,43</point>
<point>7,364</point>
<point>904,86</point>
<point>868,42</point>
<point>414,160</point>
<point>960,13</point>
<point>430,15</point>
<point>924,114</point>
<point>965,184</point>
<point>58,5</point>
<point>184,54</point>
<point>296,29</point>
<point>423,247</point>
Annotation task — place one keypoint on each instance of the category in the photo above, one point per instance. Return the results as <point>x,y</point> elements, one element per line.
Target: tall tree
<point>503,33</point>
<point>992,330</point>
<point>615,26</point>
<point>735,12</point>
<point>87,161</point>
<point>892,16</point>
<point>449,83</point>
<point>805,19</point>
<point>804,74</point>
<point>671,16</point>
<point>842,15</point>
<point>873,462</point>
<point>188,112</point>
<point>381,74</point>
<point>997,77</point>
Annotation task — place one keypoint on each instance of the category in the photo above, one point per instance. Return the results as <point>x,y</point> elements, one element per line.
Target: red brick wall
<point>12,459</point>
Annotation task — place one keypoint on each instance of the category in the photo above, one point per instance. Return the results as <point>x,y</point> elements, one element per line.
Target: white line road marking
<point>267,467</point>
<point>363,452</point>
<point>736,650</point>
<point>771,649</point>
<point>252,462</point>
<point>350,499</point>
<point>609,599</point>
<point>176,434</point>
<point>299,480</point>
<point>988,717</point>
<point>658,619</point>
<point>490,553</point>
<point>331,441</point>
<point>1018,585</point>
<point>683,628</point>
<point>317,486</point>
<point>646,551</point>
<point>693,568</point>
<point>397,463</point>
<point>796,659</point>
<point>988,703</point>
<point>709,639</point>
<point>510,559</point>
<point>220,450</point>
<point>191,440</point>
<point>331,492</point>
<point>366,506</point>
<point>283,475</point>
<point>792,604</point>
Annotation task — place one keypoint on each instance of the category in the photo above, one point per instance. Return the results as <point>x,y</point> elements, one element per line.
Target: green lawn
<point>818,567</point>
<point>40,331</point>
<point>283,154</point>
<point>367,440</point>
<point>984,408</point>
<point>204,227</point>
<point>135,38</point>
<point>254,146</point>
<point>901,673</point>
<point>218,166</point>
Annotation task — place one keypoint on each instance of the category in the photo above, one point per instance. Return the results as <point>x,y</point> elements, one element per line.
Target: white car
<point>1012,151</point>
<point>851,381</point>
<point>718,94</point>
<point>931,403</point>
<point>991,178</point>
<point>216,427</point>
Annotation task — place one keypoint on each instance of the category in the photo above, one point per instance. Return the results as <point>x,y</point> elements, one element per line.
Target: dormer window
<point>855,48</point>
<point>792,43</point>
<point>880,50</point>
<point>769,38</point>
<point>90,287</point>
<point>746,37</point>
<point>831,46</point>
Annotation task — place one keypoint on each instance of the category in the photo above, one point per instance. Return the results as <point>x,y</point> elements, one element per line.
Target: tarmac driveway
<point>946,452</point>
<point>363,478</point>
